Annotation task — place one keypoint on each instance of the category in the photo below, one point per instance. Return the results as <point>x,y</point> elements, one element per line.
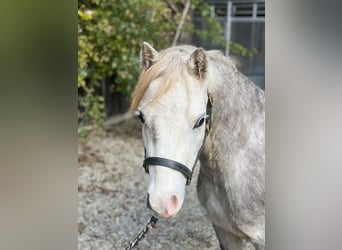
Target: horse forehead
<point>180,93</point>
<point>170,106</point>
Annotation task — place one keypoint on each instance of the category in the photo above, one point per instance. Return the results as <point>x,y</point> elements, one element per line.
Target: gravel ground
<point>112,191</point>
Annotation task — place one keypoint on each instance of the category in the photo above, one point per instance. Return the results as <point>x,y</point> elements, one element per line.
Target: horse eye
<point>140,116</point>
<point>200,122</point>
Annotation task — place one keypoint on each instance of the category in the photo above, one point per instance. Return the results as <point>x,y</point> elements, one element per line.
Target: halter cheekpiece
<point>164,162</point>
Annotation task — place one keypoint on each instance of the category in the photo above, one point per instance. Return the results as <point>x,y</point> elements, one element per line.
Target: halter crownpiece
<point>164,162</point>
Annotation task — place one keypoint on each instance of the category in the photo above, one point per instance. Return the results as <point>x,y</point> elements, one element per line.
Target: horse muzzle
<point>163,207</point>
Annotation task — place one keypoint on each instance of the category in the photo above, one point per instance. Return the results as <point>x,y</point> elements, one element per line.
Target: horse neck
<point>238,107</point>
<point>232,92</point>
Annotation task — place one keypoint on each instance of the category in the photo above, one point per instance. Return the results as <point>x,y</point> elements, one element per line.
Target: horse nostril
<point>173,205</point>
<point>148,202</point>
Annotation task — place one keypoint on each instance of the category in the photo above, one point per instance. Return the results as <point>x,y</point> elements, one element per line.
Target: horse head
<point>171,101</point>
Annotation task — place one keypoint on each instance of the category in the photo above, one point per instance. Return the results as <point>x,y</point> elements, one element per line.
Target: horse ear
<point>147,56</point>
<point>198,63</point>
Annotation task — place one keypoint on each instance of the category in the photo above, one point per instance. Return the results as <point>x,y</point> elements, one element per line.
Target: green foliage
<point>110,34</point>
<point>93,104</point>
<point>237,48</point>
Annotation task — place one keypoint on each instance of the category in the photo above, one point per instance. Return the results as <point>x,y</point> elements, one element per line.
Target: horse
<point>195,104</point>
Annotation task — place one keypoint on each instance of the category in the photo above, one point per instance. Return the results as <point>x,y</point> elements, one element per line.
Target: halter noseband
<point>164,162</point>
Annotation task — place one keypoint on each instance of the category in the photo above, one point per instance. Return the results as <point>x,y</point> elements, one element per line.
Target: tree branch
<point>172,6</point>
<point>181,23</point>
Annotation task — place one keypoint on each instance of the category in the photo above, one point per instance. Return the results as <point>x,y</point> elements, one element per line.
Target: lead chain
<point>151,224</point>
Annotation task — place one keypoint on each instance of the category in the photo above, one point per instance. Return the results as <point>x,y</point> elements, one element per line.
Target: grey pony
<point>231,182</point>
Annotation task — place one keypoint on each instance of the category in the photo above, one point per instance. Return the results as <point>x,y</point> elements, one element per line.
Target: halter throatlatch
<point>174,164</point>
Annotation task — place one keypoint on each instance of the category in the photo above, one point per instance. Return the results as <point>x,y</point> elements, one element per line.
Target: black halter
<point>164,162</point>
